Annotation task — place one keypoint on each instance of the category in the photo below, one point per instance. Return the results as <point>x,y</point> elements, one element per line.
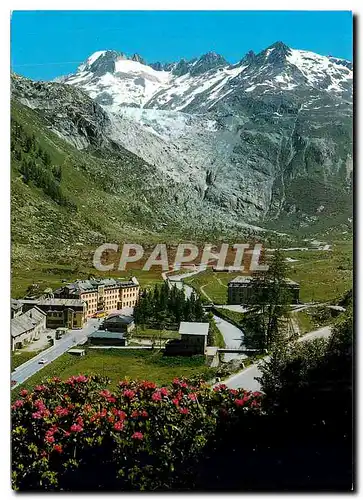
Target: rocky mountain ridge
<point>268,138</point>
<point>116,80</point>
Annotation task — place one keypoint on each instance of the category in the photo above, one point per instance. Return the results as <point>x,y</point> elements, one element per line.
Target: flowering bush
<point>77,435</point>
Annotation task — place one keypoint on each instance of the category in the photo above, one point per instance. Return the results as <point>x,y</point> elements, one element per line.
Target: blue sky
<point>46,44</point>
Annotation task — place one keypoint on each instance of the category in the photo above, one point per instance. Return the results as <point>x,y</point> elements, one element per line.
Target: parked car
<point>43,361</point>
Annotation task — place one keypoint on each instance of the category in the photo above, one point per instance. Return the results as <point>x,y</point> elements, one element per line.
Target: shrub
<point>308,391</point>
<point>76,435</point>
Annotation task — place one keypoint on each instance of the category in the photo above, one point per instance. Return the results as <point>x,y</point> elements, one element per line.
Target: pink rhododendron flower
<point>121,414</point>
<point>129,394</point>
<point>76,428</point>
<point>39,388</point>
<point>37,415</point>
<point>58,448</point>
<point>39,405</point>
<point>23,392</point>
<point>79,421</point>
<point>192,396</point>
<point>18,403</point>
<point>61,412</point>
<point>164,391</point>
<point>49,434</point>
<point>77,379</point>
<point>98,415</point>
<point>119,426</point>
<point>138,435</point>
<point>184,411</point>
<point>42,412</point>
<point>156,396</point>
<point>176,401</point>
<point>146,384</point>
<point>108,396</point>
<point>241,402</point>
<point>105,393</point>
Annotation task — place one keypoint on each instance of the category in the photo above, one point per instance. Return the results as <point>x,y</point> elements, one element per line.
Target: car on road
<point>42,361</point>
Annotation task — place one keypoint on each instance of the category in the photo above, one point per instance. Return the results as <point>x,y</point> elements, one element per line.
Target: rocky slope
<point>250,136</point>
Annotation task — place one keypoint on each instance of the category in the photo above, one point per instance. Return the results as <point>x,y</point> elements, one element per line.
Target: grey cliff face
<point>267,138</point>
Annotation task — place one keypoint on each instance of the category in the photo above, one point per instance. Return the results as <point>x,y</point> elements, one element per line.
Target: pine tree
<point>198,310</point>
<point>192,301</point>
<point>28,144</point>
<point>267,321</point>
<point>46,158</point>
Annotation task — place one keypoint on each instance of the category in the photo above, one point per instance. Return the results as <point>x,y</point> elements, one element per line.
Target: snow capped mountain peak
<point>206,62</point>
<point>101,62</point>
<point>277,52</point>
<point>322,72</point>
<point>248,58</point>
<point>115,80</point>
<point>279,47</point>
<point>138,58</point>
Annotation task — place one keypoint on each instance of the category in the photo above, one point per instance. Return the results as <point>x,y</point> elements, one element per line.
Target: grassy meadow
<point>323,275</point>
<point>118,364</point>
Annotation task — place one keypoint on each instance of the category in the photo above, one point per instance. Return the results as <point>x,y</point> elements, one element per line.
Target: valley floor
<point>323,275</point>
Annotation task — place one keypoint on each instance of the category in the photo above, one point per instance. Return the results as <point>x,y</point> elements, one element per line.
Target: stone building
<point>102,337</point>
<point>27,327</point>
<point>68,313</point>
<point>16,308</point>
<point>244,290</point>
<point>102,295</point>
<point>193,339</point>
<point>118,323</point>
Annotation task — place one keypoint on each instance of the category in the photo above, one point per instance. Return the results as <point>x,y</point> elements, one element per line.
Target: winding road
<point>232,335</point>
<point>247,378</point>
<point>71,339</point>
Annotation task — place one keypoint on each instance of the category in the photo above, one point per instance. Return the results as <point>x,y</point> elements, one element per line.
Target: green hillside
<point>65,202</point>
